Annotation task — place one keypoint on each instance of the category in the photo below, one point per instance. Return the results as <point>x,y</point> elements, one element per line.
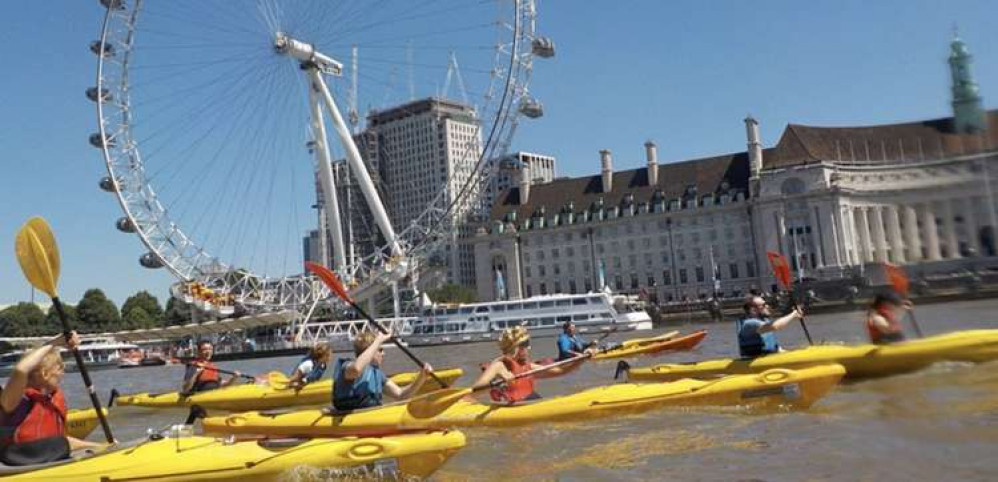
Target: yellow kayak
<point>650,346</point>
<point>773,389</point>
<point>860,361</point>
<point>195,458</point>
<point>264,397</point>
<point>79,423</point>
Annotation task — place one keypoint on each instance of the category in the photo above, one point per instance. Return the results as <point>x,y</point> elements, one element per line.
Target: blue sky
<point>683,73</point>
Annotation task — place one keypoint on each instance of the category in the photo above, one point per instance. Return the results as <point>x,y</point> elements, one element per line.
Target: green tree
<point>137,318</point>
<point>97,313</point>
<point>153,313</point>
<point>452,293</point>
<point>176,313</point>
<point>53,326</point>
<point>22,319</point>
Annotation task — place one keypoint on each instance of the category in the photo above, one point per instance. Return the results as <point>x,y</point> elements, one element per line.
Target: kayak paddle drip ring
<point>235,421</point>
<point>776,375</point>
<point>366,450</point>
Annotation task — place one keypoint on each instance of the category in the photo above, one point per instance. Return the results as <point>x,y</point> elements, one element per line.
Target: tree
<point>53,326</point>
<point>97,313</point>
<point>22,319</point>
<point>152,313</point>
<point>177,313</point>
<point>452,293</point>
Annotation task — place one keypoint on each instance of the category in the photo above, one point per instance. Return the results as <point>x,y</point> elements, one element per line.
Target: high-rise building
<point>510,170</point>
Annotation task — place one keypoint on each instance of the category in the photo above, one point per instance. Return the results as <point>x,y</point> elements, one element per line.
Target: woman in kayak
<point>756,330</point>
<point>202,375</point>
<point>360,383</point>
<point>515,359</point>
<point>33,419</point>
<point>882,322</point>
<point>312,367</point>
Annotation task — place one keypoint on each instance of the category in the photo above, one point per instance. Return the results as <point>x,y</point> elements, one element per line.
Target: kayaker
<point>312,367</point>
<point>515,345</point>
<point>570,343</point>
<point>33,422</point>
<point>882,322</point>
<point>756,330</point>
<point>202,375</point>
<point>361,383</point>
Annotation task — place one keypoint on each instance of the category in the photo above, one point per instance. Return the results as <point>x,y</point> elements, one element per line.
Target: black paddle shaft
<point>67,333</point>
<point>227,372</point>
<point>395,339</point>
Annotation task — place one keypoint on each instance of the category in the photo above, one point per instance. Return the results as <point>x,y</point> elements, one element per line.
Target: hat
<point>511,337</point>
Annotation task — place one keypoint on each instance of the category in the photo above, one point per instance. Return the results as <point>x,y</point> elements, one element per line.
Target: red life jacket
<point>893,332</point>
<point>519,389</point>
<point>210,373</point>
<point>37,416</point>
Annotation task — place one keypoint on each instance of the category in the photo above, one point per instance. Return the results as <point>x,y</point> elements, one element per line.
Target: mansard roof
<point>888,143</point>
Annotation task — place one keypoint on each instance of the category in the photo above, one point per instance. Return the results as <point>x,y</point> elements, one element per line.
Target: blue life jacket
<point>751,343</point>
<point>367,390</point>
<point>567,344</point>
<point>318,369</point>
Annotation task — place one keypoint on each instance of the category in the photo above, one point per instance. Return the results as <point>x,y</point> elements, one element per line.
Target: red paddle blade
<point>897,278</point>
<point>781,269</point>
<point>329,279</point>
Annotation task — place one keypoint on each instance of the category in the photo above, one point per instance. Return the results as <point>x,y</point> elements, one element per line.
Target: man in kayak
<point>33,419</point>
<point>312,367</point>
<point>360,383</point>
<point>515,359</point>
<point>756,330</point>
<point>202,375</point>
<point>570,344</point>
<point>882,322</point>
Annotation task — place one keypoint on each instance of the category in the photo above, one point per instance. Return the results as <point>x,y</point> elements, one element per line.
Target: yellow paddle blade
<point>435,403</point>
<point>277,379</point>
<point>38,255</point>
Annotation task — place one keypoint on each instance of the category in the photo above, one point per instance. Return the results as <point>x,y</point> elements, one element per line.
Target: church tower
<point>968,115</point>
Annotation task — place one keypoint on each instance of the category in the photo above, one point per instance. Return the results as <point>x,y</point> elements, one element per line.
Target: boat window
<point>465,310</point>
<point>579,301</point>
<point>451,311</point>
<point>530,306</point>
<point>547,304</point>
<point>582,317</point>
<point>482,309</point>
<point>564,302</point>
<point>548,321</point>
<point>515,306</point>
<point>438,329</point>
<point>452,327</point>
<point>499,308</point>
<point>562,319</point>
<point>499,325</point>
<point>606,314</point>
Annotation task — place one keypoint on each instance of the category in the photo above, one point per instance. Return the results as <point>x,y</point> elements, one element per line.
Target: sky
<point>681,73</point>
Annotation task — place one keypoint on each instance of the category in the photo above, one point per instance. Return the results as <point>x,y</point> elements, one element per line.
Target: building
<point>837,201</point>
<point>509,169</point>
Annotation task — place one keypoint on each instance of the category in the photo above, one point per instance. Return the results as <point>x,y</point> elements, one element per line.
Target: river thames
<point>937,424</point>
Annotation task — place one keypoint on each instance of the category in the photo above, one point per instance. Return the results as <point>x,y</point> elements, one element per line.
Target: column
<point>911,239</point>
<point>850,240</point>
<point>863,226</point>
<point>949,230</point>
<point>818,237</point>
<point>781,232</point>
<point>970,224</point>
<point>879,238</point>
<point>931,232</point>
<point>838,236</point>
<point>894,234</point>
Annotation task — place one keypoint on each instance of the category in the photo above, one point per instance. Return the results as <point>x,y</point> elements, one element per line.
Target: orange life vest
<point>37,416</point>
<point>519,389</point>
<point>893,332</point>
<point>210,373</point>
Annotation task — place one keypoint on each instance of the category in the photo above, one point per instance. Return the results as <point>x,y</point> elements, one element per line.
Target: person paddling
<point>312,367</point>
<point>361,383</point>
<point>882,320</point>
<point>202,375</point>
<point>756,330</point>
<point>515,345</point>
<point>570,343</point>
<point>33,419</point>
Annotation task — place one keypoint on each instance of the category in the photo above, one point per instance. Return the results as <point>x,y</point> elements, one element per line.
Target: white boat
<point>592,313</point>
<point>99,353</point>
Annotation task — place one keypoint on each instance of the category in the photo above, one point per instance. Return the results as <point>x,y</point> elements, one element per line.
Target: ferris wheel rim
<point>190,261</point>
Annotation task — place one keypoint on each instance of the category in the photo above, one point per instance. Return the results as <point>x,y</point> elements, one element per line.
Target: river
<point>937,424</point>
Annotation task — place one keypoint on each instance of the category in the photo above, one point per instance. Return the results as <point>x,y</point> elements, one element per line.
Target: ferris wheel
<point>216,121</point>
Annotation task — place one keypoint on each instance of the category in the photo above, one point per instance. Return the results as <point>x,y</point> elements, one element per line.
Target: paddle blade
<point>330,280</point>
<point>435,403</point>
<point>38,255</point>
<point>275,379</point>
<point>781,269</point>
<point>897,278</point>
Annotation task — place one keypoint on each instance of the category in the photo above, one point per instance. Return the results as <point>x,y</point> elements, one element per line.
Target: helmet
<point>511,337</point>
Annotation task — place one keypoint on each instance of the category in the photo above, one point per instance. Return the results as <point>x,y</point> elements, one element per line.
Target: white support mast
<point>324,170</point>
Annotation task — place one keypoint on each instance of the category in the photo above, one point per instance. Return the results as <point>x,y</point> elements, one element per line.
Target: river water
<point>937,424</point>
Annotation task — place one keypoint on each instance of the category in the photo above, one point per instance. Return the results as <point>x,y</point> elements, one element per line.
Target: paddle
<point>434,403</point>
<point>899,280</point>
<point>38,255</point>
<point>333,283</point>
<point>781,269</point>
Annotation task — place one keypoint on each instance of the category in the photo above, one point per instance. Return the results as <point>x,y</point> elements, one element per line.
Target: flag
<point>500,285</point>
<point>601,275</point>
<point>897,278</point>
<point>781,269</point>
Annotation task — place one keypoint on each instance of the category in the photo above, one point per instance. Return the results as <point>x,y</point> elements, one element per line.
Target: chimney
<point>754,146</point>
<point>606,160</point>
<point>651,151</point>
<point>525,184</point>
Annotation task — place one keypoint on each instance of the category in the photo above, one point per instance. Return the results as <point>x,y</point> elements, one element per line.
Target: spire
<point>968,115</point>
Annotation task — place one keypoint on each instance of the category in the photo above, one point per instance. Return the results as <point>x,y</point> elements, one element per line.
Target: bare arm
<point>879,321</point>
<point>559,370</point>
<point>11,395</point>
<point>495,369</point>
<point>413,388</point>
<point>77,444</point>
<point>782,322</point>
